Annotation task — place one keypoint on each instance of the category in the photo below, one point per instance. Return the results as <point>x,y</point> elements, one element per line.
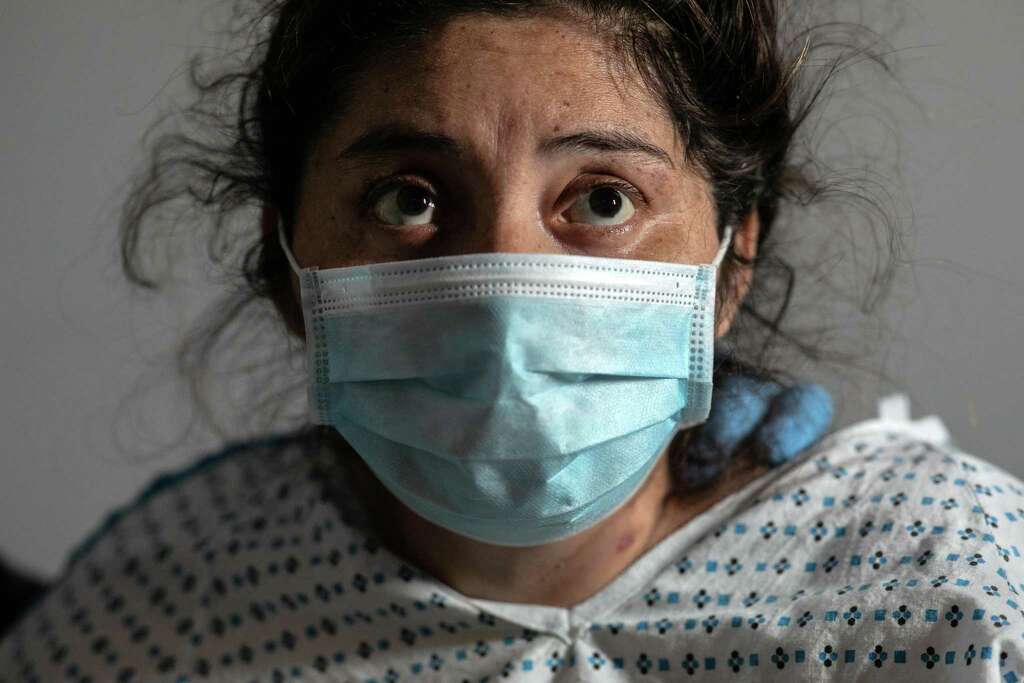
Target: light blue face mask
<point>516,399</point>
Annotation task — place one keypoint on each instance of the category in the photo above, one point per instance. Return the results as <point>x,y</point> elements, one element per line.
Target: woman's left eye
<point>603,205</point>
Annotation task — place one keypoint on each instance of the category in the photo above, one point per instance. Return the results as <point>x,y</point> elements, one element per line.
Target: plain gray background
<point>81,81</point>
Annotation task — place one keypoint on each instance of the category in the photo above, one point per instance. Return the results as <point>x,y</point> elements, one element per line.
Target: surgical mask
<point>515,399</point>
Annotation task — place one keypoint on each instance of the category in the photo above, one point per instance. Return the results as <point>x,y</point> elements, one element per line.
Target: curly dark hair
<point>738,86</point>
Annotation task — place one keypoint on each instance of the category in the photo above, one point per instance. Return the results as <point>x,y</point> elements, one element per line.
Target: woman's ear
<point>734,286</point>
<point>283,292</point>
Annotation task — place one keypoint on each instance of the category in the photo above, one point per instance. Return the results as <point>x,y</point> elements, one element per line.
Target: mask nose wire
<point>724,249</point>
<point>284,247</point>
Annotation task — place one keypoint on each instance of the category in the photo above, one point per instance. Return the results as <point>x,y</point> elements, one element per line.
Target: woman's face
<point>503,135</point>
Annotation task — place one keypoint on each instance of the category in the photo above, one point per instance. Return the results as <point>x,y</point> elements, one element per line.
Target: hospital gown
<point>883,551</point>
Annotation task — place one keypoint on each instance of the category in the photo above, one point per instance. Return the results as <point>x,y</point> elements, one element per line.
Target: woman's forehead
<point>501,80</point>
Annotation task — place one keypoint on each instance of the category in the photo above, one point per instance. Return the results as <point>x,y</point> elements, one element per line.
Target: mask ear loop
<point>719,257</point>
<point>724,249</point>
<point>284,247</point>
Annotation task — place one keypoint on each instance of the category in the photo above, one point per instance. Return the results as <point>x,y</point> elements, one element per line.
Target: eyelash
<point>374,188</point>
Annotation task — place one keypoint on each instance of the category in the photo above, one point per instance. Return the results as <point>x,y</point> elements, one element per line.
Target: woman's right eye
<point>405,205</point>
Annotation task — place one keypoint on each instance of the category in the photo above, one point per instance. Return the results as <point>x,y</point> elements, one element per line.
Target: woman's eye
<point>405,205</point>
<point>604,205</point>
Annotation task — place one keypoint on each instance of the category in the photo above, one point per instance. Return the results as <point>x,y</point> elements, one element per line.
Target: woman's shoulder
<point>197,496</point>
<point>898,481</point>
<point>887,460</point>
<point>884,546</point>
<point>889,519</point>
<point>128,596</point>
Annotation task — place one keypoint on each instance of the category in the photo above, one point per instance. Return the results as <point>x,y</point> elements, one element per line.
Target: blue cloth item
<point>512,398</point>
<point>776,422</point>
<point>797,418</point>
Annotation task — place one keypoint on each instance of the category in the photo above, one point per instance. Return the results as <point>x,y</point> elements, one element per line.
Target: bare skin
<point>502,92</point>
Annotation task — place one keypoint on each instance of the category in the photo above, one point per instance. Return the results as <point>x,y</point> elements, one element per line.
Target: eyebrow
<point>391,139</point>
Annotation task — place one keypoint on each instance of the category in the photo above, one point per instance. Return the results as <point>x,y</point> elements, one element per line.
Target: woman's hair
<point>737,86</point>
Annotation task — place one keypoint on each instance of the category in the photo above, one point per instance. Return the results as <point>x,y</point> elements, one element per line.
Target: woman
<point>510,235</point>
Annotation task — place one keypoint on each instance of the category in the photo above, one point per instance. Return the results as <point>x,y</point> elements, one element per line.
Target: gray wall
<point>81,81</point>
